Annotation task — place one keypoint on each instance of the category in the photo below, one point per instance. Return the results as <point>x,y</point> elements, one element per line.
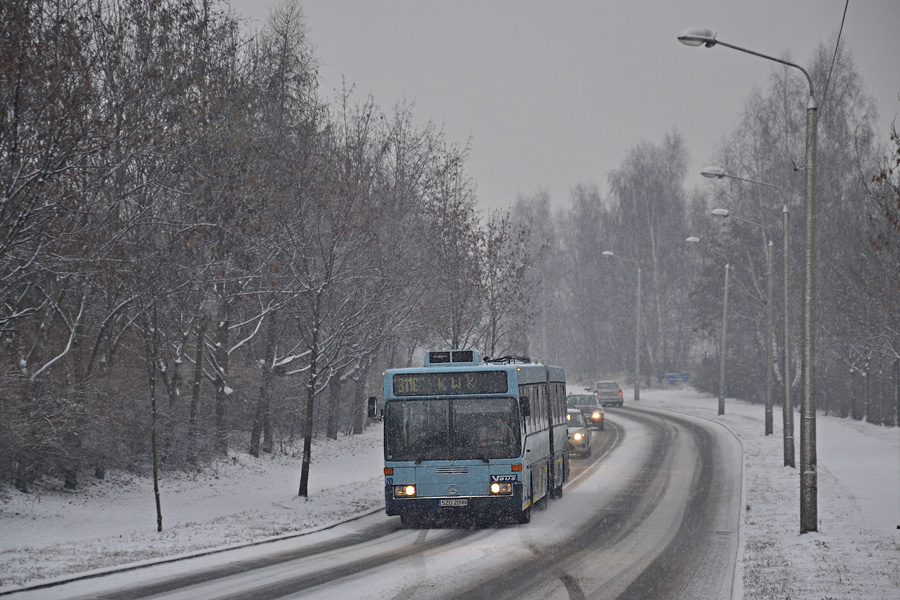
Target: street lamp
<point>808,475</point>
<point>770,328</point>
<point>637,327</point>
<point>787,412</point>
<point>696,240</point>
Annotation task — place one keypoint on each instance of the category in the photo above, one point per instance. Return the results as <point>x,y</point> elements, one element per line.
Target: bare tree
<point>457,294</point>
<point>883,193</point>
<point>650,210</point>
<point>508,302</point>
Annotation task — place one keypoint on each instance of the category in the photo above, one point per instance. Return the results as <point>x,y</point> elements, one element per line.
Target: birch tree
<point>649,208</point>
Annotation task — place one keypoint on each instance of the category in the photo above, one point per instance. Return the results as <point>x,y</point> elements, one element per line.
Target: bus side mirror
<point>525,403</point>
<point>374,413</point>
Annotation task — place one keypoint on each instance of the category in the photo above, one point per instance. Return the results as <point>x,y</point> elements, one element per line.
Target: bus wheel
<point>524,516</point>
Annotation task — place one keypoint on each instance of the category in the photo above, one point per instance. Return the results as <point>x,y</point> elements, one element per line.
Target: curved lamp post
<point>808,474</point>
<point>696,240</point>
<point>787,412</point>
<point>637,327</point>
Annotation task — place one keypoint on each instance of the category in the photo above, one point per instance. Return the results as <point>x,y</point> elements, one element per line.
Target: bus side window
<point>557,406</point>
<point>542,394</point>
<point>523,393</point>
<point>529,391</point>
<point>554,403</point>
<point>535,407</point>
<point>552,399</point>
<point>546,414</point>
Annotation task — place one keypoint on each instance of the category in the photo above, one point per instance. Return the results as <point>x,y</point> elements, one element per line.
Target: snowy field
<point>50,534</point>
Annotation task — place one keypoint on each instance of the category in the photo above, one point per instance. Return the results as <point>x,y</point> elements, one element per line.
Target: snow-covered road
<point>655,513</point>
<point>50,535</point>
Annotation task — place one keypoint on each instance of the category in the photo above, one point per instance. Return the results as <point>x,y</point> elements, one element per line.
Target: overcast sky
<point>553,94</point>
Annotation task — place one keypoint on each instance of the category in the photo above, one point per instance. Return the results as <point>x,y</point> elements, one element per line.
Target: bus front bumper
<point>451,506</point>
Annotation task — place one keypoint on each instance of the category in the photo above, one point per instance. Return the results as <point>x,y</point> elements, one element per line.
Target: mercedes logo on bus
<point>453,489</point>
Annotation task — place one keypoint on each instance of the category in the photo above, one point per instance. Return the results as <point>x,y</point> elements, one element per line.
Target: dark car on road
<point>590,408</point>
<point>609,393</point>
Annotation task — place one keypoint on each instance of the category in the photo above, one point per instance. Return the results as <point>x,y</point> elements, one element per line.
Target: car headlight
<point>500,489</point>
<point>404,491</point>
<point>597,416</point>
<point>577,436</point>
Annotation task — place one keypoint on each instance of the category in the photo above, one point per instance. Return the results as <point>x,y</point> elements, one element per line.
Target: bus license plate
<point>454,502</point>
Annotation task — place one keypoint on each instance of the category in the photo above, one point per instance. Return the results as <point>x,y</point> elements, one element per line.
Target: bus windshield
<point>451,429</point>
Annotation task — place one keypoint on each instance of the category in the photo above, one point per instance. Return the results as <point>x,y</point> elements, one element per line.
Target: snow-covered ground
<point>51,534</point>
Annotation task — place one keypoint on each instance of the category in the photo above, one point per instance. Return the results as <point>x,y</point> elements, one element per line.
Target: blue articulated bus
<point>467,437</point>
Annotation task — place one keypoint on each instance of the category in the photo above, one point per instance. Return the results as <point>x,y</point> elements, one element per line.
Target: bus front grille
<point>451,470</point>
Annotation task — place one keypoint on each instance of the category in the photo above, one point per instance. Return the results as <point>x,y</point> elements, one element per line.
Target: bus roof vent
<point>455,357</point>
<point>508,360</point>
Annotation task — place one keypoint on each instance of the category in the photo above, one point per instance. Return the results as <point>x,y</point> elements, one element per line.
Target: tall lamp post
<point>696,240</point>
<point>770,328</point>
<point>787,412</point>
<point>808,474</point>
<point>637,327</point>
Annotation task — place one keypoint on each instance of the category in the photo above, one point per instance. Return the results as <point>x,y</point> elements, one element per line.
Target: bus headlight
<point>404,491</point>
<point>500,489</point>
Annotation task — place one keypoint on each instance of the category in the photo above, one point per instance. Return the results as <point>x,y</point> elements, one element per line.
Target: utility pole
<point>637,341</point>
<point>788,408</point>
<point>770,334</point>
<point>722,355</point>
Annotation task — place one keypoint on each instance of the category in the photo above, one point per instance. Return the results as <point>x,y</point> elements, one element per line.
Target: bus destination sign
<point>450,384</point>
